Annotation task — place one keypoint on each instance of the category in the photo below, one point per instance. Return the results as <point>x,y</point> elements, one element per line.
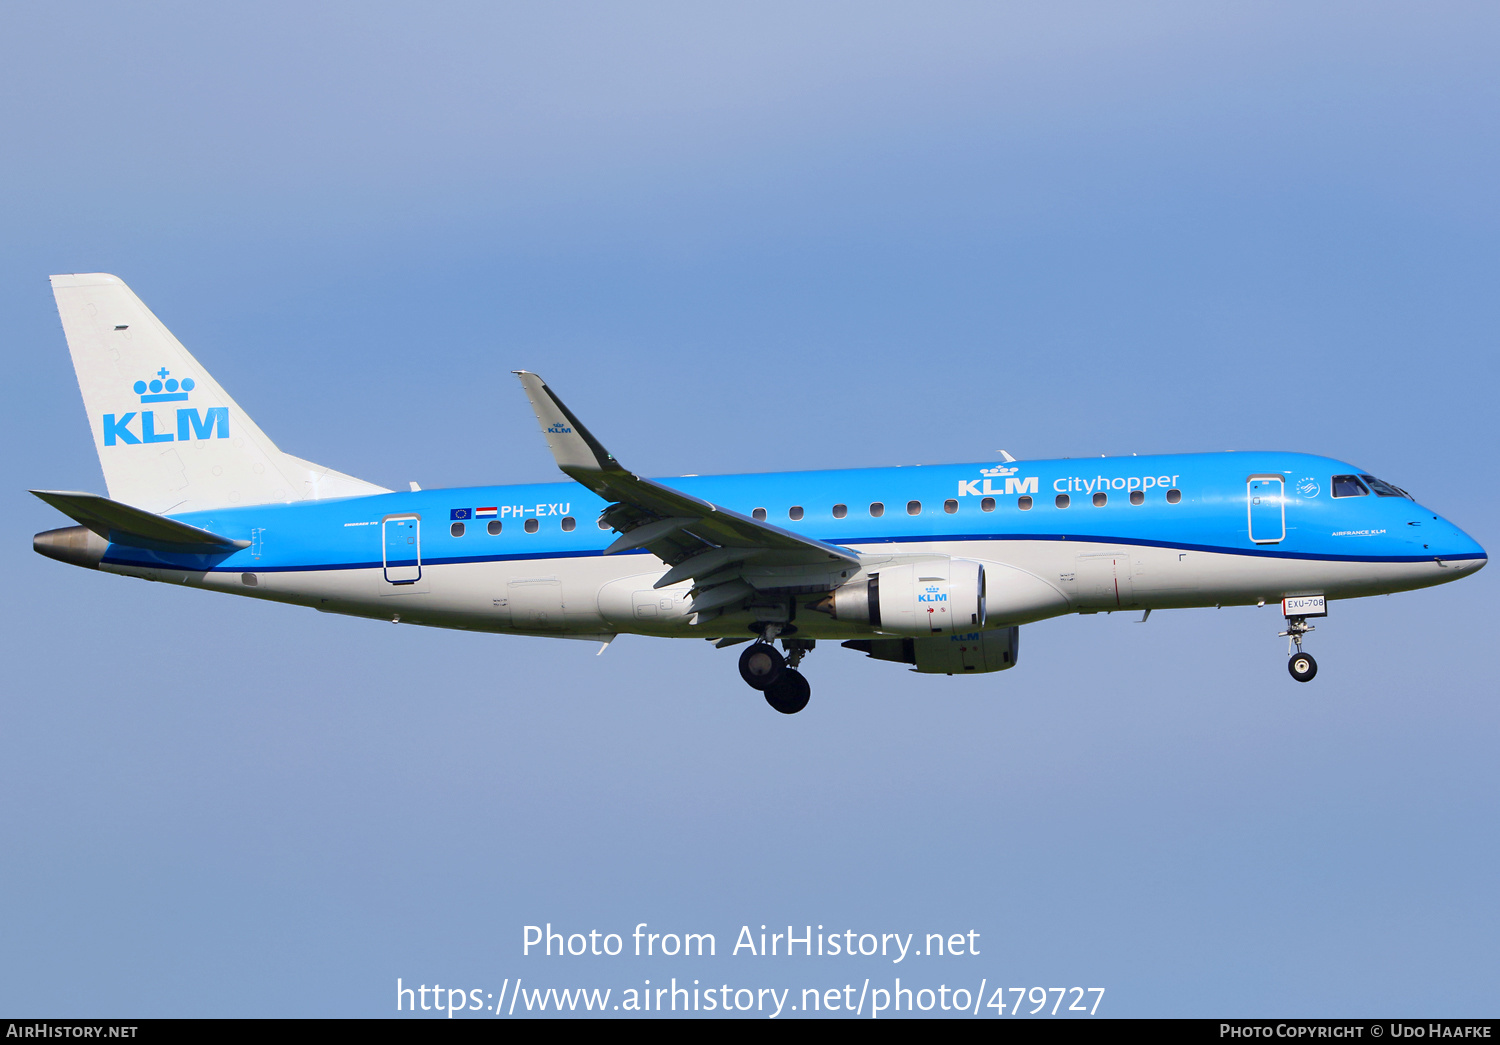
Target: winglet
<point>573,445</point>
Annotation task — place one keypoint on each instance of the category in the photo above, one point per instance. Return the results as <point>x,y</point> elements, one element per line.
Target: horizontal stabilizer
<point>121,524</point>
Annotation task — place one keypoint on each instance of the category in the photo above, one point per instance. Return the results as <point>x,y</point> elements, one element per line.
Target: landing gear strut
<point>1301,665</point>
<point>764,668</point>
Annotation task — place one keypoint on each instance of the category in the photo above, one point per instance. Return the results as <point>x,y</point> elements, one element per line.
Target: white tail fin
<point>169,438</point>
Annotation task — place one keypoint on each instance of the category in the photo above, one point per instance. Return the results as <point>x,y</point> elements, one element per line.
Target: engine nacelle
<point>967,653</point>
<point>939,596</point>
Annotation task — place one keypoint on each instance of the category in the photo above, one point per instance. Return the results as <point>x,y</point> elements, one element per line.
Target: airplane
<point>936,567</point>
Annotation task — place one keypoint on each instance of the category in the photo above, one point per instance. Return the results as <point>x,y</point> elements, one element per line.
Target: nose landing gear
<point>1301,665</point>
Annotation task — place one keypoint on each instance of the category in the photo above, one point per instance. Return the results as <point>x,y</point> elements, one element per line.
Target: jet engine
<point>939,596</point>
<point>967,653</point>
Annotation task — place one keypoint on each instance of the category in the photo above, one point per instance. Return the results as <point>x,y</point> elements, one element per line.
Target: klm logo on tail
<point>212,423</point>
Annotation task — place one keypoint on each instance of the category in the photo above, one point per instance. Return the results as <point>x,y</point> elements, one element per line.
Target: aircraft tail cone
<point>76,545</point>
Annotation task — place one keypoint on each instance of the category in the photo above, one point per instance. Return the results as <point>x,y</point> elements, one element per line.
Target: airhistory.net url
<point>849,1000</point>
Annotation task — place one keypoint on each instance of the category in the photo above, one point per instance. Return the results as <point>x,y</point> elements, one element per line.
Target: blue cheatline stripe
<point>1259,553</point>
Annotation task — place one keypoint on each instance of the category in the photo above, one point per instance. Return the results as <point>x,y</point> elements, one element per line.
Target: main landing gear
<point>764,668</point>
<point>1301,665</point>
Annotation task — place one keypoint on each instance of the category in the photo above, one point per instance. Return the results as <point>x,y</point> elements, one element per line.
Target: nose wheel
<point>1301,665</point>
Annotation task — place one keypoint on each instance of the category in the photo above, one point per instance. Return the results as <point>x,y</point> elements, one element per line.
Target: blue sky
<point>739,239</point>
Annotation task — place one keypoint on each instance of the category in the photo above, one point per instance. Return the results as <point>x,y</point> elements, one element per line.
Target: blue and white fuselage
<point>1208,548</point>
<point>934,566</point>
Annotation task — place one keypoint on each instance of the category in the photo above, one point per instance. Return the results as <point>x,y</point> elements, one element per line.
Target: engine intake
<point>939,596</point>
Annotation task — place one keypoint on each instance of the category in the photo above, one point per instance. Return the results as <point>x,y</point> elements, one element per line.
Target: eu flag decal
<point>458,514</point>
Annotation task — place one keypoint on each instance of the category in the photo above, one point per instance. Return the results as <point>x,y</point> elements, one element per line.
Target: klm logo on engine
<point>1009,482</point>
<point>191,423</point>
<point>933,594</point>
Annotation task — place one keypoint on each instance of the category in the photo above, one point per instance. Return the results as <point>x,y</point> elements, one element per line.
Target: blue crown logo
<point>164,389</point>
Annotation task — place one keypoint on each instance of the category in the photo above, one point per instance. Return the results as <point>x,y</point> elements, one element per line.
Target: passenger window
<point>532,525</point>
<point>602,525</point>
<point>913,507</point>
<point>494,527</point>
<point>1101,499</point>
<point>1349,486</point>
<point>568,523</point>
<point>987,505</point>
<point>877,510</point>
<point>1136,497</point>
<point>759,513</point>
<point>1023,503</point>
<point>457,529</point>
<point>840,510</point>
<point>1173,496</point>
<point>1063,500</point>
<point>795,514</point>
<point>950,506</point>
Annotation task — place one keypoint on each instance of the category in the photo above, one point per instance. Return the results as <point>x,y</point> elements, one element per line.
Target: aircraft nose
<point>1452,547</point>
<point>1470,558</point>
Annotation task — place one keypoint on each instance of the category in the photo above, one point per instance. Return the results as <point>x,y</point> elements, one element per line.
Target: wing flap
<point>649,533</point>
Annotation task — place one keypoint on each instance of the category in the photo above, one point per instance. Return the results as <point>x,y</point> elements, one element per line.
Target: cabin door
<point>1266,495</point>
<point>402,540</point>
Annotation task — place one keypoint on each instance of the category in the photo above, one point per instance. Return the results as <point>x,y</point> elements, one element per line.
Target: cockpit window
<point>1385,489</point>
<point>1349,486</point>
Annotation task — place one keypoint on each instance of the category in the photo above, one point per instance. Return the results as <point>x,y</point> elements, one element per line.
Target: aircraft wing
<point>730,557</point>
